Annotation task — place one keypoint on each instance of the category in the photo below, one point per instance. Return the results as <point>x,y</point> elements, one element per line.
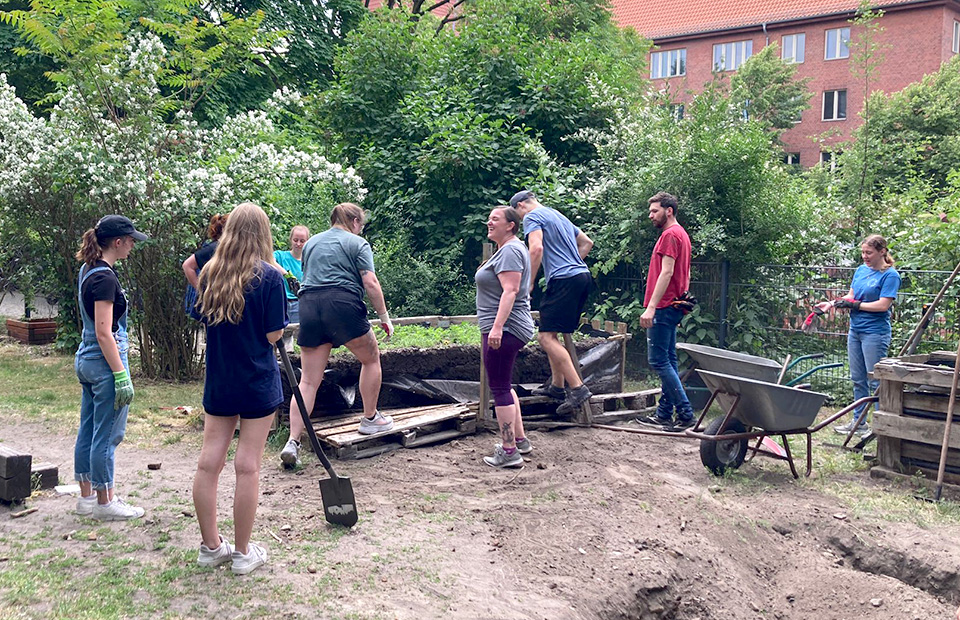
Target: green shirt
<point>289,263</point>
<point>336,257</point>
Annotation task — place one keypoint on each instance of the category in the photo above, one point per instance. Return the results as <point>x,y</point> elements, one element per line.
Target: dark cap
<point>520,197</point>
<point>111,226</point>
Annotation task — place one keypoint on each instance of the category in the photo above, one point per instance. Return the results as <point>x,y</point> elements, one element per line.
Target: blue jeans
<point>293,310</point>
<point>863,352</point>
<point>662,355</point>
<point>101,426</point>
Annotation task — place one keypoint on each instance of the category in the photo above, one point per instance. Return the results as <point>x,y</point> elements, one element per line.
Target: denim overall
<point>101,426</point>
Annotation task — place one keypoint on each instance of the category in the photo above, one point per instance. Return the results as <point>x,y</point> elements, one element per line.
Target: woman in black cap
<point>102,368</point>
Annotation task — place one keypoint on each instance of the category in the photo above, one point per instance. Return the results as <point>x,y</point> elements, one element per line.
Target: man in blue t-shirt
<point>561,247</point>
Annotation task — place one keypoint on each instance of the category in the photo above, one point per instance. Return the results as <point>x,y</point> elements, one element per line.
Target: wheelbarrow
<point>758,410</point>
<point>740,365</point>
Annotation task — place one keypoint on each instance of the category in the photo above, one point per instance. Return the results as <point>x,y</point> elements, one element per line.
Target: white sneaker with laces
<point>117,510</point>
<point>85,505</point>
<point>379,423</point>
<point>289,453</point>
<point>255,557</point>
<point>215,557</point>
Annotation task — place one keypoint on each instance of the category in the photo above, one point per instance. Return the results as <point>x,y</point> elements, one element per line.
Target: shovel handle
<point>311,432</point>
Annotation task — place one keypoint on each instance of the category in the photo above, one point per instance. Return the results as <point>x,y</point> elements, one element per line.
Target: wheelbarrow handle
<point>812,356</point>
<point>803,376</point>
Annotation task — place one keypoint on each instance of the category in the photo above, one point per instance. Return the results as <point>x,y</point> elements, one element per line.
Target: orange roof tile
<point>659,19</point>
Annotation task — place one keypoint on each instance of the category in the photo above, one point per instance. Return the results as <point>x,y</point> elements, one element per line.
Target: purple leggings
<point>499,365</point>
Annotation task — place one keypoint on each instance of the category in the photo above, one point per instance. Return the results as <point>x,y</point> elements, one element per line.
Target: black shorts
<point>245,415</point>
<point>563,303</point>
<point>331,315</point>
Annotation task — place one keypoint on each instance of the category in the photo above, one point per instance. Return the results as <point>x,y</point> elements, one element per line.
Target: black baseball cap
<point>520,196</point>
<point>111,226</point>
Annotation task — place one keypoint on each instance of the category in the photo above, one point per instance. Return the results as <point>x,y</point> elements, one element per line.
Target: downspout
<point>767,36</point>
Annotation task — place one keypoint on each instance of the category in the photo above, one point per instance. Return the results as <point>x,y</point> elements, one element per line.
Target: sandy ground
<point>596,525</point>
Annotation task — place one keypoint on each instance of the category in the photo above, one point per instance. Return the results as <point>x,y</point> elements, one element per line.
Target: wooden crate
<point>910,417</point>
<point>33,331</point>
<point>15,483</point>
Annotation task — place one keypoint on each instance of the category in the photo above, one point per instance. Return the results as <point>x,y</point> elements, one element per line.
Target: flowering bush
<point>121,143</point>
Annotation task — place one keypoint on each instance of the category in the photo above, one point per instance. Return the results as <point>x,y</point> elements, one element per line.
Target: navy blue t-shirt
<point>242,371</point>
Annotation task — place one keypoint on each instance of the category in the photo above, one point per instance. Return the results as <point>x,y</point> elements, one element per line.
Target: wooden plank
<point>928,452</point>
<point>13,463</point>
<point>595,324</point>
<point>354,416</point>
<point>913,429</point>
<point>888,452</point>
<point>348,434</point>
<point>926,401</point>
<point>44,476</point>
<point>16,488</point>
<point>939,376</point>
<point>621,415</point>
<point>609,327</point>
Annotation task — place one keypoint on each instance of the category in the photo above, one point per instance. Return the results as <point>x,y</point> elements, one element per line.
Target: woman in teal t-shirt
<point>872,293</point>
<point>291,261</point>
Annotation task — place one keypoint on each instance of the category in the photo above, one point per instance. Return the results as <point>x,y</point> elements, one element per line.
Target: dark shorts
<point>331,316</point>
<point>563,303</point>
<point>245,415</point>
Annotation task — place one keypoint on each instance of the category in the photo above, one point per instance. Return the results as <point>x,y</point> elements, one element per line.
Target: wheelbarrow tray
<point>768,406</point>
<point>732,362</point>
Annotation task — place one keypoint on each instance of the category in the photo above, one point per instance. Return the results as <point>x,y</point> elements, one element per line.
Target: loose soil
<point>596,525</point>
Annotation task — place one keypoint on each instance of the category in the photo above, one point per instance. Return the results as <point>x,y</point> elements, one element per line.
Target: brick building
<point>693,38</point>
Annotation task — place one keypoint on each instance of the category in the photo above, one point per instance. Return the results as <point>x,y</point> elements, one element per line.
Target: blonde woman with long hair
<point>242,303</point>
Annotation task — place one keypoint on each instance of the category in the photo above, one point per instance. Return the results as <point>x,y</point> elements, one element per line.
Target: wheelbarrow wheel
<point>721,454</point>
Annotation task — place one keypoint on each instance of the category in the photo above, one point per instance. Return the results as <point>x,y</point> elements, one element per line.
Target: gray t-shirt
<point>336,257</point>
<point>513,256</point>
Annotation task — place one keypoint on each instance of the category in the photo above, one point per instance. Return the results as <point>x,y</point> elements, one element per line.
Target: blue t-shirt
<point>561,259</point>
<point>242,371</point>
<point>870,285</point>
<point>289,263</point>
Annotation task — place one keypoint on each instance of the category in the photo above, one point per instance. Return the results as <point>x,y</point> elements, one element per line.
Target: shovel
<point>339,505</point>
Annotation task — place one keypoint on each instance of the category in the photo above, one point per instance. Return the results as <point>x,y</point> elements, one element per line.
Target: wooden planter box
<point>910,418</point>
<point>33,331</point>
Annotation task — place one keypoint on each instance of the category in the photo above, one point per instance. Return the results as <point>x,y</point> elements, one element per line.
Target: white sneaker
<point>379,423</point>
<point>85,505</point>
<point>117,510</point>
<point>255,557</point>
<point>215,557</point>
<point>289,453</point>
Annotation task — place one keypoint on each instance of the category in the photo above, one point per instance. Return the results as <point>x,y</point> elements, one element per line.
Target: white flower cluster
<point>115,147</point>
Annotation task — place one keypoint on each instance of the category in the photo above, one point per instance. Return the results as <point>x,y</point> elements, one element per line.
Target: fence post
<point>724,295</point>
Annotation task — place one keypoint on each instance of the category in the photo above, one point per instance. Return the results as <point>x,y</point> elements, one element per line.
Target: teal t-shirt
<point>336,257</point>
<point>289,263</point>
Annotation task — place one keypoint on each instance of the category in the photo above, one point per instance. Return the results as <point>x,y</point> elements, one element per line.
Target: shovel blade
<point>339,505</point>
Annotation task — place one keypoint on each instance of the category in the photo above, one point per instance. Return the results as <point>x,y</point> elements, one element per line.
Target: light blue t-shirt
<point>336,257</point>
<point>513,256</point>
<point>561,259</point>
<point>286,260</point>
<point>870,285</point>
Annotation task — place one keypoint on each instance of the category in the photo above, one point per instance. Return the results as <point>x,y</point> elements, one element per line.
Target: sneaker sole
<point>527,451</point>
<point>289,460</point>
<point>116,518</point>
<point>503,466</point>
<point>373,431</point>
<point>215,563</point>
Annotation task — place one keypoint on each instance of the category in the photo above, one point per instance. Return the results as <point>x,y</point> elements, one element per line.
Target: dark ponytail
<point>90,249</point>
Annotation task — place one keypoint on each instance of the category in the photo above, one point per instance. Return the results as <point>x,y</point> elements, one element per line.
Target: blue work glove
<point>847,303</point>
<point>124,389</point>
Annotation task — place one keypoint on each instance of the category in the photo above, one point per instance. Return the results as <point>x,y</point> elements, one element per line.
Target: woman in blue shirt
<point>872,292</point>
<point>242,303</point>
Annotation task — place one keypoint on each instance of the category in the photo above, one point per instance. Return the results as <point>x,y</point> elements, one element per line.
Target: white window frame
<point>829,157</point>
<point>841,48</point>
<point>668,64</point>
<point>835,107</point>
<point>739,51</point>
<point>956,37</point>
<point>797,48</point>
<point>791,159</point>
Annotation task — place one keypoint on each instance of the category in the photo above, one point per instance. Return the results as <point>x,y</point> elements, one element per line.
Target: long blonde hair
<point>246,243</point>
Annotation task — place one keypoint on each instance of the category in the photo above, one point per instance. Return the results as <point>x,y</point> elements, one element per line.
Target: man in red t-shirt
<point>668,279</point>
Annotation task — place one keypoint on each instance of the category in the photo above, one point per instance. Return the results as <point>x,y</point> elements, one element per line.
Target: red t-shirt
<point>673,242</point>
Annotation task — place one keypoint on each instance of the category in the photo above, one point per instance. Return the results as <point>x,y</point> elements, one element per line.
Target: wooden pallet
<point>604,408</point>
<point>412,427</point>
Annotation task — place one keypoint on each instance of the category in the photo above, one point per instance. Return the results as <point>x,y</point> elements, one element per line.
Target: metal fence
<point>762,313</point>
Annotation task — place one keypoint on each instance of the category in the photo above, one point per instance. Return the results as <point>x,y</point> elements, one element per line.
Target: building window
<point>956,37</point>
<point>791,159</point>
<point>834,105</point>
<point>676,111</point>
<point>793,46</point>
<point>668,64</point>
<point>729,56</point>
<point>837,41</point>
<point>827,160</point>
